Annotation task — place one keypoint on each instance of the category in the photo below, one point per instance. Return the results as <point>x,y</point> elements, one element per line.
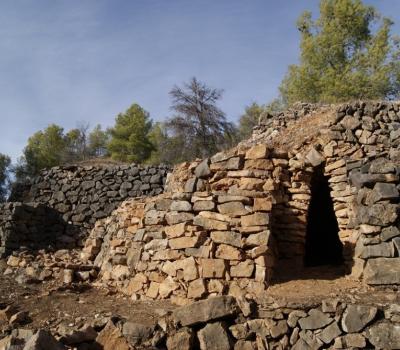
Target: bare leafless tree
<point>199,122</point>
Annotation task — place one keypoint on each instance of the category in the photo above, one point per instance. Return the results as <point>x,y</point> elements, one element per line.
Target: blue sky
<point>70,61</point>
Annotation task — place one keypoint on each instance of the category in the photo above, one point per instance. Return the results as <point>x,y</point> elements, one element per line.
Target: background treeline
<point>197,128</point>
<point>347,53</point>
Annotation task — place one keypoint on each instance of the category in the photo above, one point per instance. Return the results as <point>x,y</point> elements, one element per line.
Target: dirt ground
<point>50,305</point>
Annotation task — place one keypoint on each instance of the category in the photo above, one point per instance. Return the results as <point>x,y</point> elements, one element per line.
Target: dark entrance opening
<point>323,246</point>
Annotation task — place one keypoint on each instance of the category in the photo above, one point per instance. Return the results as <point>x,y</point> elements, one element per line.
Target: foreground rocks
<point>218,323</point>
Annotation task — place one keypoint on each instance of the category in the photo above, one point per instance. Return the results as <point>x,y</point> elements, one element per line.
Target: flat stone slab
<point>382,271</point>
<point>316,319</point>
<point>356,317</point>
<point>205,310</point>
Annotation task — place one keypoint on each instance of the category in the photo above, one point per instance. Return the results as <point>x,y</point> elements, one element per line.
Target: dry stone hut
<point>315,185</point>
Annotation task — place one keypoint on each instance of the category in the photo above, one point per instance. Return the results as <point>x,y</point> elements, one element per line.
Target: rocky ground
<point>64,308</point>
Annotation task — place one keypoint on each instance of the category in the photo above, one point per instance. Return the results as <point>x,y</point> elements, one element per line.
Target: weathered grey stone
<point>382,166</point>
<point>43,340</point>
<point>380,214</point>
<point>190,185</point>
<point>382,271</point>
<point>214,336</point>
<point>243,269</point>
<point>181,340</point>
<point>389,233</point>
<point>203,205</point>
<point>279,329</point>
<point>176,218</point>
<point>311,341</point>
<point>350,122</point>
<point>111,338</point>
<point>259,327</point>
<point>211,224</point>
<point>245,345</point>
<point>314,157</point>
<point>384,191</point>
<point>137,333</point>
<point>315,320</point>
<point>350,341</point>
<point>330,305</point>
<point>294,317</point>
<point>227,237</point>
<point>356,317</point>
<point>233,209</point>
<point>73,336</point>
<point>203,169</point>
<point>180,206</point>
<point>384,335</point>
<point>205,310</point>
<point>329,333</point>
<point>361,180</point>
<point>384,249</point>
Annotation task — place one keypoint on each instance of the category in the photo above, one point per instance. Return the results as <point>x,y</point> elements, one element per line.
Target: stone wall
<point>359,152</point>
<point>78,196</point>
<point>228,222</point>
<point>31,226</point>
<point>222,323</point>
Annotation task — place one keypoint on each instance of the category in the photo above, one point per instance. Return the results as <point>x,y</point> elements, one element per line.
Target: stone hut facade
<point>316,185</point>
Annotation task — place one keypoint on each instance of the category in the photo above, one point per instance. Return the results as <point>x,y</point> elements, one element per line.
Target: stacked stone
<point>269,125</point>
<point>359,151</point>
<point>222,323</point>
<point>211,237</point>
<point>84,194</point>
<point>235,214</point>
<point>330,324</point>
<point>33,226</point>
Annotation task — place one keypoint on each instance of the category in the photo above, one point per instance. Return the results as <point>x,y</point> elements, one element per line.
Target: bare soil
<point>50,305</point>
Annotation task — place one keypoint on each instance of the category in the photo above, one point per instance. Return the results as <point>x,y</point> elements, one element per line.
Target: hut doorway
<point>323,246</point>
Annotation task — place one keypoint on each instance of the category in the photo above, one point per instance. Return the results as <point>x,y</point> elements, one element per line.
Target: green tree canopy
<point>167,149</point>
<point>5,163</point>
<point>45,149</point>
<point>347,53</point>
<point>199,123</point>
<point>249,119</point>
<point>98,139</point>
<point>130,136</point>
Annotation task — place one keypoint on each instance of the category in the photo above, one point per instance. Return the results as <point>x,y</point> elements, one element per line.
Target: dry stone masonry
<point>225,224</point>
<point>316,185</point>
<point>78,196</point>
<point>31,225</point>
